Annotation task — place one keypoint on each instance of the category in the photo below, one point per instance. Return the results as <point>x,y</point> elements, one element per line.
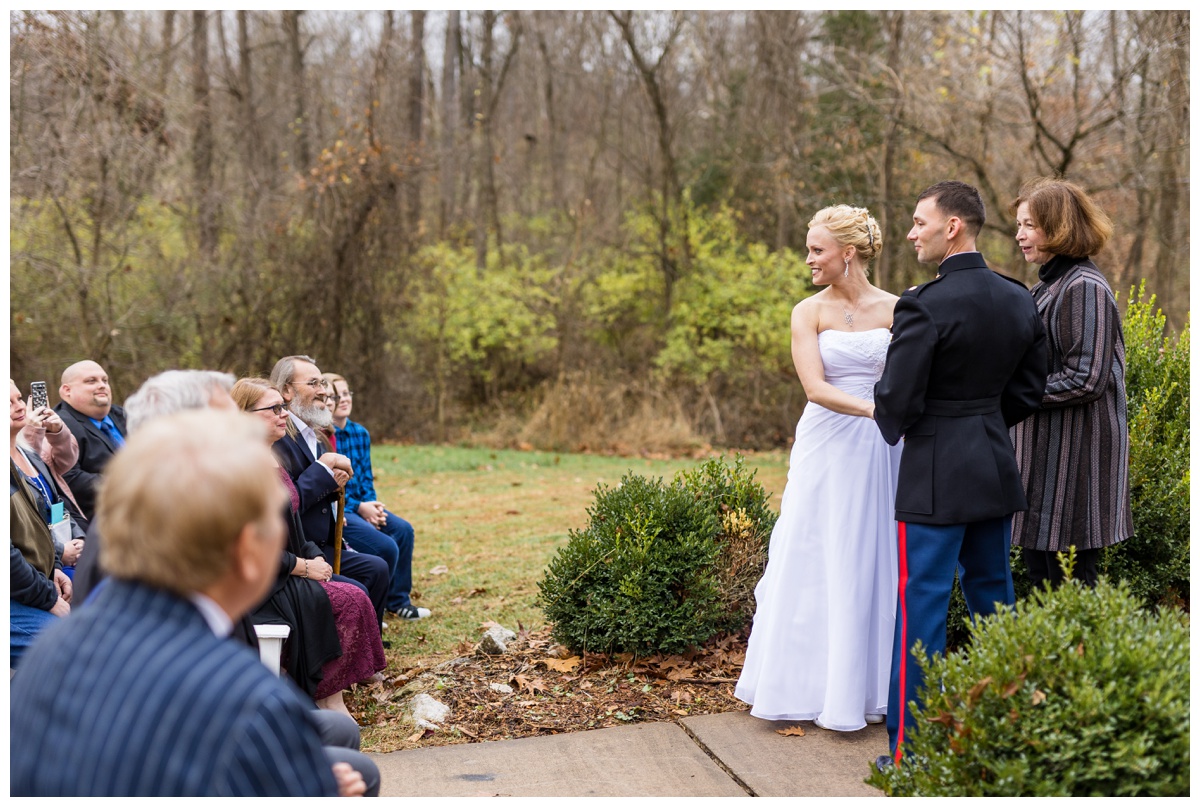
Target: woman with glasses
<point>335,639</point>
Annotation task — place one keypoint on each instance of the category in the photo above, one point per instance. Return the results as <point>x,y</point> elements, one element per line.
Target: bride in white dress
<point>821,645</point>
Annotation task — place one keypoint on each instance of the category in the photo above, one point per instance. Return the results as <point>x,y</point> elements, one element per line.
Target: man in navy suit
<point>88,411</point>
<point>319,474</point>
<point>967,361</point>
<point>143,693</point>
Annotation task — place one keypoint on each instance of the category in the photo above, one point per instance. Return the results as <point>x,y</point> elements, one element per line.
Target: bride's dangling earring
<point>846,272</point>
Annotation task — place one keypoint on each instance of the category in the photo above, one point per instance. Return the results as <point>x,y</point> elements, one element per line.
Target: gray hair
<point>173,391</point>
<point>285,370</point>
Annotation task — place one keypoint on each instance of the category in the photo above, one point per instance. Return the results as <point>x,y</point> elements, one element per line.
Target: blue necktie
<point>110,429</point>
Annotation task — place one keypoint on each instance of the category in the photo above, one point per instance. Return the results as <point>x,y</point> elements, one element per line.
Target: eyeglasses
<point>315,383</point>
<point>346,394</point>
<point>278,409</point>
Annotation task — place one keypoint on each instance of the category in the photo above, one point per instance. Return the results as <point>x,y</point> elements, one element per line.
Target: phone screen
<point>37,395</point>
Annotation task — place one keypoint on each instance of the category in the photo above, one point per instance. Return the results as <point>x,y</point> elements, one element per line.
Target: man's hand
<point>336,462</point>
<point>341,477</point>
<point>62,608</point>
<point>63,584</point>
<point>373,513</point>
<point>72,551</point>
<point>350,781</point>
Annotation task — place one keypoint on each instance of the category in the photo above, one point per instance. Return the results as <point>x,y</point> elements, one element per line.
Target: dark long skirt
<point>303,605</point>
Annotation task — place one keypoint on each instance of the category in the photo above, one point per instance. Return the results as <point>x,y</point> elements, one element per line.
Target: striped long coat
<point>1074,451</point>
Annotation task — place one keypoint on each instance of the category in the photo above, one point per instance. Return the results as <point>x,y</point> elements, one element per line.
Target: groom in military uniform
<point>967,361</point>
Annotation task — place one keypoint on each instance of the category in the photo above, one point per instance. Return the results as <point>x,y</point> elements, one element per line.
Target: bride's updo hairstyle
<point>851,226</point>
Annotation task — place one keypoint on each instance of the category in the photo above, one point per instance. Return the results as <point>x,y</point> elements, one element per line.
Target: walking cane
<point>337,533</point>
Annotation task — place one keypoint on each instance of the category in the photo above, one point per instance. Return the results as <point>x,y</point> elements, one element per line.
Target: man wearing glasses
<point>298,380</point>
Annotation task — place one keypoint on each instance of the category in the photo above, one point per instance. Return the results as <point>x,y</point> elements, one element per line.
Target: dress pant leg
<point>336,729</point>
<point>986,573</point>
<point>402,533</point>
<point>927,556</point>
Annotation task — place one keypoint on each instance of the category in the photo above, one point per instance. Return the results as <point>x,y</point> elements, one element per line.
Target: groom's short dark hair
<point>956,198</point>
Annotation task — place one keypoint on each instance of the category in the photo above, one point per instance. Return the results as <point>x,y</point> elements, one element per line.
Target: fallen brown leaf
<point>791,731</point>
<point>562,665</point>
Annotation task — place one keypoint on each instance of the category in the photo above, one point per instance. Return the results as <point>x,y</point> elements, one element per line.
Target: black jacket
<point>966,362</point>
<point>95,450</point>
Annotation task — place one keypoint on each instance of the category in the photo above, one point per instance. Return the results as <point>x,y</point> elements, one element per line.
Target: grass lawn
<point>487,523</point>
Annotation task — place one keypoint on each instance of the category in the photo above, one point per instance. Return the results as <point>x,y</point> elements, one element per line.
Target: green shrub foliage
<point>1156,559</point>
<point>660,567</point>
<point>1077,692</point>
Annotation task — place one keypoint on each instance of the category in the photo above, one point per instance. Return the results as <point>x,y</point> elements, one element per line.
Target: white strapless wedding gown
<point>821,644</point>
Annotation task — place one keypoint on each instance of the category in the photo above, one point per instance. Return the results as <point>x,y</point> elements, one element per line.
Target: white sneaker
<point>410,612</point>
<point>872,719</point>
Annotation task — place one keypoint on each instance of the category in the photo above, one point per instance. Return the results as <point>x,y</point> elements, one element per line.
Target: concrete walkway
<point>730,754</point>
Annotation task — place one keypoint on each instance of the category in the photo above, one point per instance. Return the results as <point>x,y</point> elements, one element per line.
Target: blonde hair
<point>332,378</point>
<point>1074,225</point>
<point>174,500</point>
<point>249,391</point>
<point>851,226</point>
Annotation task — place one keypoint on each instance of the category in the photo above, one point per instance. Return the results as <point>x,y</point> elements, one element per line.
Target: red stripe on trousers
<point>902,535</point>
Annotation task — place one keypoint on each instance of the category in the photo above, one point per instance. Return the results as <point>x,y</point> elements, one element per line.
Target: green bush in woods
<point>661,566</point>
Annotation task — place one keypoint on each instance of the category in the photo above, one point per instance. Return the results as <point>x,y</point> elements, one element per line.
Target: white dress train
<point>821,643</point>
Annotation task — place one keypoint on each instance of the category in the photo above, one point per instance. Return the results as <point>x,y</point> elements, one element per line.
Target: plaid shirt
<point>354,441</point>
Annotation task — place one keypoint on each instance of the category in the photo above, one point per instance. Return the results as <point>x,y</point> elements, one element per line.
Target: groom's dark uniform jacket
<point>966,362</point>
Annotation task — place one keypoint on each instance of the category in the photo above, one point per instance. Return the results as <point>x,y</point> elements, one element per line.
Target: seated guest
<point>305,597</point>
<point>65,531</point>
<point>46,435</point>
<point>163,394</point>
<point>39,592</point>
<point>369,526</point>
<point>99,427</point>
<point>319,475</point>
<point>143,690</point>
<point>175,391</point>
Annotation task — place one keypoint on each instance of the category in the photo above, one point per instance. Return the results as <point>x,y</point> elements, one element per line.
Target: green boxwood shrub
<point>1156,560</point>
<point>660,567</point>
<point>1077,692</point>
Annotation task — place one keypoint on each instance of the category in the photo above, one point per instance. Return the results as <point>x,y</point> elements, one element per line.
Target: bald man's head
<point>85,387</point>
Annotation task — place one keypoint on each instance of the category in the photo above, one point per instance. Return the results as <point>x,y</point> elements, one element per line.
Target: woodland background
<point>574,230</point>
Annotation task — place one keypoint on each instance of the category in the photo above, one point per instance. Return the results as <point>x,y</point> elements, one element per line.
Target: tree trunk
<point>291,27</point>
<point>451,55</point>
<point>202,146</point>
<point>889,210</point>
<point>416,117</point>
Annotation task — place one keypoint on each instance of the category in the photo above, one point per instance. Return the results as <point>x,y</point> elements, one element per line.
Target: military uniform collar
<point>962,260</point>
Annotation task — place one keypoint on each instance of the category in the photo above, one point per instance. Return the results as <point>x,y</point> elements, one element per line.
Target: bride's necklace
<point>848,316</point>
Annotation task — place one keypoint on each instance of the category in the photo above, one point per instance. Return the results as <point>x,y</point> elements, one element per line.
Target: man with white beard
<point>319,474</point>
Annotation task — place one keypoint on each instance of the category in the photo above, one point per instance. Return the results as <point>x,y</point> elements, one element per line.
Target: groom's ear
<point>954,226</point>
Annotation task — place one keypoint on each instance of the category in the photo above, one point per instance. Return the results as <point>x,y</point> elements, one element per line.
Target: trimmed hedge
<point>661,567</point>
<point>1077,692</point>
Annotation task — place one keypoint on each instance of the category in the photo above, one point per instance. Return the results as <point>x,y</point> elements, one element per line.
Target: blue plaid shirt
<point>354,441</point>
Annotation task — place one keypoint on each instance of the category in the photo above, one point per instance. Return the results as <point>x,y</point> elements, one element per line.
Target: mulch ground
<point>539,687</point>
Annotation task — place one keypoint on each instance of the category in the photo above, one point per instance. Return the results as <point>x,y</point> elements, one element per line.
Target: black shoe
<point>883,762</point>
<point>411,611</point>
<point>386,644</point>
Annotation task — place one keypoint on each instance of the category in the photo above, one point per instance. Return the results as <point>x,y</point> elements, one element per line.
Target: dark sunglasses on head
<point>278,409</point>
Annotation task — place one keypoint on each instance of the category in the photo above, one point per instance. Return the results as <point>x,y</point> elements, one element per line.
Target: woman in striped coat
<point>1074,452</point>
